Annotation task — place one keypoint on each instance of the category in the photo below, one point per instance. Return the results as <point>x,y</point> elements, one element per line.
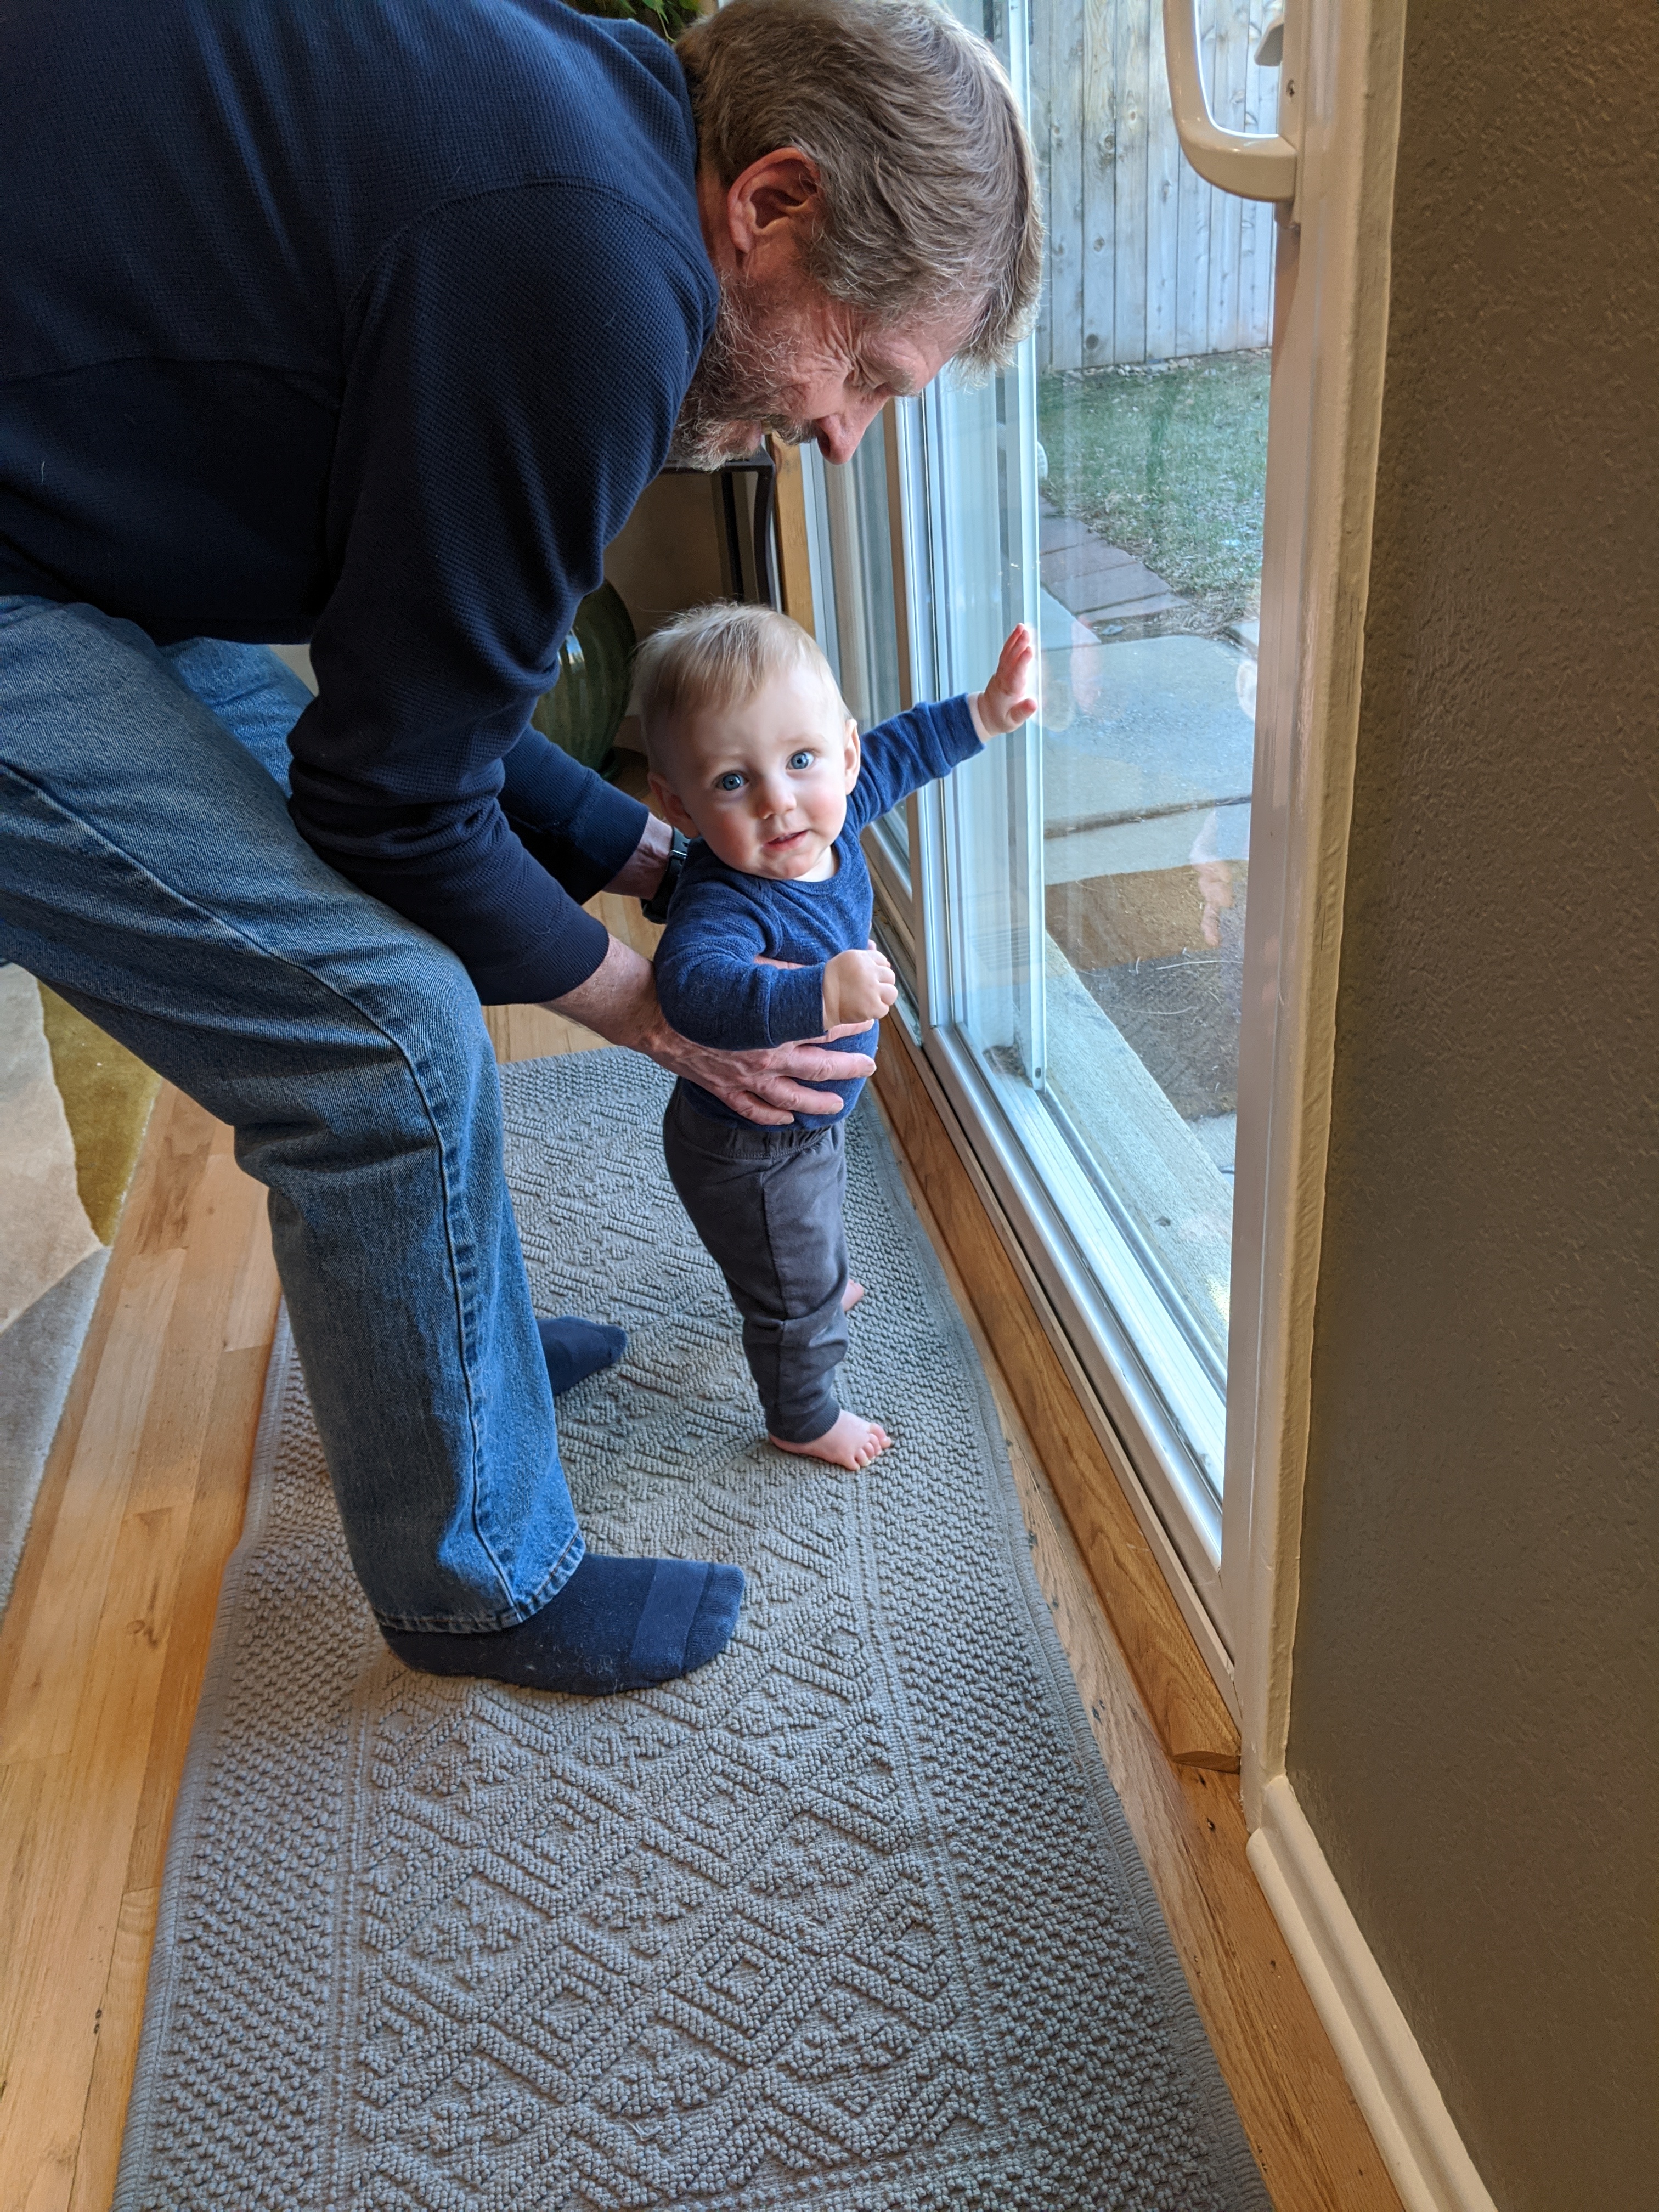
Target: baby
<point>753,755</point>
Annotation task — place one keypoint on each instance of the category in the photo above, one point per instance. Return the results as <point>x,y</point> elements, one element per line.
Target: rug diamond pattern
<point>850,1919</point>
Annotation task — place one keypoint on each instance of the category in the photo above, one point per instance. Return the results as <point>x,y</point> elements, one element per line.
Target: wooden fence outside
<point>1145,261</point>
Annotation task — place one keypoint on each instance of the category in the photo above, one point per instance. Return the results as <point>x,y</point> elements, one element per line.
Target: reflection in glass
<point>855,601</point>
<point>1095,873</point>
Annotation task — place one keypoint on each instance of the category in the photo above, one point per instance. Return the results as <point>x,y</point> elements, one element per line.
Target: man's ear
<point>673,811</point>
<point>854,754</point>
<point>776,197</point>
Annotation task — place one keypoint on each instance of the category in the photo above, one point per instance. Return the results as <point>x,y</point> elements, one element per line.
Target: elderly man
<point>368,325</point>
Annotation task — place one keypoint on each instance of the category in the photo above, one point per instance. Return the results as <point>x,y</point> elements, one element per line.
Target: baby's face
<point>765,784</point>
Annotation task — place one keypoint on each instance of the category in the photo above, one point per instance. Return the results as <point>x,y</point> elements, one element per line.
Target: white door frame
<point>1324,427</point>
<point>1344,57</point>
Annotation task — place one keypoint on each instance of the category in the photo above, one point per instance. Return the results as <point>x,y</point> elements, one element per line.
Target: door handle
<point>1256,166</point>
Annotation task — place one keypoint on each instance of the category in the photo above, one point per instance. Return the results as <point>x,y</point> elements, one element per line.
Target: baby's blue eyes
<point>734,779</point>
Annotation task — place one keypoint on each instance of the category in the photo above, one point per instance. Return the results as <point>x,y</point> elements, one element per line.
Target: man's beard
<point>743,384</point>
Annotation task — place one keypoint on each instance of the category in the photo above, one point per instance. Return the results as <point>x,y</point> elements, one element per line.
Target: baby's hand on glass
<point>859,988</point>
<point>1215,888</point>
<point>1008,700</point>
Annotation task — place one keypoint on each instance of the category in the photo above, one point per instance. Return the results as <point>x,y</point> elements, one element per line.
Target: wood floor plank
<point>159,1154</point>
<point>250,1314</point>
<point>181,1140</point>
<point>535,1033</point>
<point>215,1527</point>
<point>105,1640</point>
<point>27,1788</point>
<point>51,2038</point>
<point>116,2031</point>
<point>223,1219</point>
<point>39,1716</point>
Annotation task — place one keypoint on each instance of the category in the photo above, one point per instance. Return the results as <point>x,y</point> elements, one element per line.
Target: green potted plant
<point>582,711</point>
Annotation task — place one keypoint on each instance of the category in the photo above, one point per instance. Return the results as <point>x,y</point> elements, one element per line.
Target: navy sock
<point>616,1625</point>
<point>574,1349</point>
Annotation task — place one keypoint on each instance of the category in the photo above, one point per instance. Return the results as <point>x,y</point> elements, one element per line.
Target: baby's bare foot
<point>850,1295</point>
<point>852,1443</point>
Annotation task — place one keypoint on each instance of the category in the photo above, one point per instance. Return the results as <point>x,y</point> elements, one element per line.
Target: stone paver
<point>1098,582</point>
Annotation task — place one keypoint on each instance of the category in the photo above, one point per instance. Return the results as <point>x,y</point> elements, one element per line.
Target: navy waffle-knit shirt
<point>364,322</point>
<point>721,921</point>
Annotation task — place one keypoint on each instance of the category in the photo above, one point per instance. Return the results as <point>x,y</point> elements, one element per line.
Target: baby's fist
<point>859,988</point>
<point>1008,700</point>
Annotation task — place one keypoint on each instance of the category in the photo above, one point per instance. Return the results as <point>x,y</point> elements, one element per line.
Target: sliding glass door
<point>1073,903</point>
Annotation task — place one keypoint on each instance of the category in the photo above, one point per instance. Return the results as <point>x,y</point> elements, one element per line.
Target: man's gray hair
<point>928,182</point>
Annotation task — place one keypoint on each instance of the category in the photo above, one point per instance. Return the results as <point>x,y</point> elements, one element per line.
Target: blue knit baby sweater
<point>722,922</point>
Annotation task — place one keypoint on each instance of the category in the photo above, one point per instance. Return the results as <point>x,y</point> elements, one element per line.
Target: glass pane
<point>856,609</point>
<point>1096,869</point>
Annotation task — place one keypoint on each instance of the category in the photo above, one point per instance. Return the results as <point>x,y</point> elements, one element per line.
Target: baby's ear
<point>854,754</point>
<point>674,810</point>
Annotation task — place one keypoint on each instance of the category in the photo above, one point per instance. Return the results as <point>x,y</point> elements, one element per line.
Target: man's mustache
<point>734,396</point>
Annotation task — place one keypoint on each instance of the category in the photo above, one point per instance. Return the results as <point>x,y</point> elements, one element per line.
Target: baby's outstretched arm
<point>1008,700</point>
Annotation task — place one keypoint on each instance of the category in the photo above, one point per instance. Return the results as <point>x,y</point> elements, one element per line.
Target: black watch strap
<point>655,908</point>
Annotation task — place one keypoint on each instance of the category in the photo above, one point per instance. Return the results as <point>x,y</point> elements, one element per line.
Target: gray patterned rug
<point>850,1919</point>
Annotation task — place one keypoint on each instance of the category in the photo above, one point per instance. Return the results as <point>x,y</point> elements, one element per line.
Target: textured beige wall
<point>1475,1717</point>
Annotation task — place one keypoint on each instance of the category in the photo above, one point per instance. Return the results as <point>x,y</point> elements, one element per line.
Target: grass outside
<point>1170,461</point>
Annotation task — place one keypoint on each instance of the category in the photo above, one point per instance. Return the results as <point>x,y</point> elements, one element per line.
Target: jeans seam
<point>265,952</point>
<point>511,1617</point>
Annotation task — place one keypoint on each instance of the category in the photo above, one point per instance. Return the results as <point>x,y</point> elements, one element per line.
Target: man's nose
<point>838,434</point>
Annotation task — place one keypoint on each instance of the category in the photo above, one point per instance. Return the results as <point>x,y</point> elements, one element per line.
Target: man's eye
<point>802,759</point>
<point>731,782</point>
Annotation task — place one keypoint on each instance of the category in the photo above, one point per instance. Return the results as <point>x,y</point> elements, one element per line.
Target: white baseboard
<point>1387,2072</point>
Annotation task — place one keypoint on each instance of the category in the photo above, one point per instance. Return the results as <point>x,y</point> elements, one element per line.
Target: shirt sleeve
<point>709,983</point>
<point>516,362</point>
<point>580,828</point>
<point>898,757</point>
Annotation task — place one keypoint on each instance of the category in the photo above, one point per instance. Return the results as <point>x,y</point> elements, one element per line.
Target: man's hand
<point>1008,700</point>
<point>859,988</point>
<point>619,1000</point>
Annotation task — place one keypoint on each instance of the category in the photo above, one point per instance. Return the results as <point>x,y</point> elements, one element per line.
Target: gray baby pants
<point>766,1204</point>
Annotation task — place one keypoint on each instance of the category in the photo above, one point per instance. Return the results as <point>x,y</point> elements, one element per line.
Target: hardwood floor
<point>103,1646</point>
<point>104,1642</point>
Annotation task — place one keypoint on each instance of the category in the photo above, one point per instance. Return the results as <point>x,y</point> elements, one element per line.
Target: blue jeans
<point>149,873</point>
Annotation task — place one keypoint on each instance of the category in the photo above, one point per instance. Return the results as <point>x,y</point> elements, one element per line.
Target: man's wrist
<point>642,871</point>
<point>655,908</point>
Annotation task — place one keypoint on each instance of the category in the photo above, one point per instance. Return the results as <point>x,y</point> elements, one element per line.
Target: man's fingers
<point>756,1110</point>
<point>800,1099</point>
<point>811,1063</point>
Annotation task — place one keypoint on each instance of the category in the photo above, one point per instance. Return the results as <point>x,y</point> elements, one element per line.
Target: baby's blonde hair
<point>716,656</point>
